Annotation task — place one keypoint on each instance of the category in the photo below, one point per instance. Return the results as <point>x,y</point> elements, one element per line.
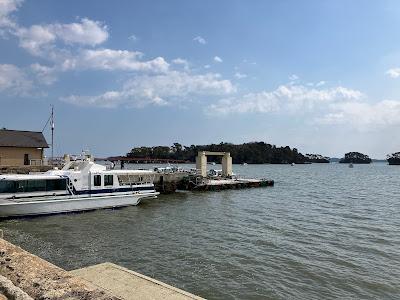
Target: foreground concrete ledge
<point>42,280</point>
<point>129,285</point>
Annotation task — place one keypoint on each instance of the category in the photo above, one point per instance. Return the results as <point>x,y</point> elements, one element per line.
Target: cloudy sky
<point>322,76</point>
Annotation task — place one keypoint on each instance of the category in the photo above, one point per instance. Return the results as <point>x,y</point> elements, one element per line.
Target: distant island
<point>355,158</point>
<point>317,158</point>
<point>251,153</point>
<point>394,158</point>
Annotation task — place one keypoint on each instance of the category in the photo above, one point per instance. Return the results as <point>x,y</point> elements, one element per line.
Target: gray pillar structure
<point>227,165</point>
<point>201,163</point>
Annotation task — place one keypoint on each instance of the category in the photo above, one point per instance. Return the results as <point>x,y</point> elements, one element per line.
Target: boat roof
<point>127,172</point>
<point>28,176</point>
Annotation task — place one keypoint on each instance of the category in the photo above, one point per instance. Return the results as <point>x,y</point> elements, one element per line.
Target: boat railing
<point>70,186</point>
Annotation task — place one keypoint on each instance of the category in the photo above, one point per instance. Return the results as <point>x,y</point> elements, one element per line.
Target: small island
<point>316,158</point>
<point>394,158</point>
<point>249,153</point>
<point>355,158</point>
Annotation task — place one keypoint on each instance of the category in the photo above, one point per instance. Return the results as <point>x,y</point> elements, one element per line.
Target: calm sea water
<point>323,232</point>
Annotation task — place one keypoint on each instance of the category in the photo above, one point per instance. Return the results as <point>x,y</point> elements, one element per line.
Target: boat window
<point>97,180</point>
<point>7,186</point>
<point>108,180</point>
<point>56,185</point>
<point>34,185</point>
<point>29,186</point>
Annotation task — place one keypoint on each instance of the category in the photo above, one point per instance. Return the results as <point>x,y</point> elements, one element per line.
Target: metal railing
<point>35,162</point>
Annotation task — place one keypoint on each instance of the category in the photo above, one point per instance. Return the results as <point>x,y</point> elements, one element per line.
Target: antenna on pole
<point>52,132</point>
<point>51,120</point>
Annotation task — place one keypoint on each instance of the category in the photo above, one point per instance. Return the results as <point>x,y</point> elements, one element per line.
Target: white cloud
<point>239,75</point>
<point>170,88</point>
<point>293,77</point>
<point>133,38</point>
<point>34,38</point>
<point>245,61</point>
<point>207,66</point>
<point>217,59</point>
<point>109,59</point>
<point>292,98</point>
<point>253,102</point>
<point>200,40</point>
<point>364,115</point>
<point>14,80</point>
<point>40,39</point>
<point>7,7</point>
<point>44,74</point>
<point>87,32</point>
<point>108,100</point>
<point>182,62</point>
<point>393,73</point>
<point>320,83</point>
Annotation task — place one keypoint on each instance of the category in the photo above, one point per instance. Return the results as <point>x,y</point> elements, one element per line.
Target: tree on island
<point>355,158</point>
<point>394,158</point>
<point>317,158</point>
<point>251,153</point>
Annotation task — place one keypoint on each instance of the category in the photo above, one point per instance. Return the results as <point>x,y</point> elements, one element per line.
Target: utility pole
<point>51,120</point>
<point>52,132</point>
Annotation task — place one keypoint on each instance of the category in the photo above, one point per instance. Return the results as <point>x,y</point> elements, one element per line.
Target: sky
<point>320,76</point>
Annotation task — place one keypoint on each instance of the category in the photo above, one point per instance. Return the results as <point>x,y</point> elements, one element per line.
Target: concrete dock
<point>205,184</point>
<point>130,285</point>
<point>24,276</point>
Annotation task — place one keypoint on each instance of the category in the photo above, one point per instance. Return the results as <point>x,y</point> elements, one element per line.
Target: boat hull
<point>11,208</point>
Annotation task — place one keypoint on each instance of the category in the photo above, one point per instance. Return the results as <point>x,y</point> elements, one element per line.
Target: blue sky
<point>322,76</point>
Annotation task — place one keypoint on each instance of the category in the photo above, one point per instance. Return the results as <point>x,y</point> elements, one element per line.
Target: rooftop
<point>18,138</point>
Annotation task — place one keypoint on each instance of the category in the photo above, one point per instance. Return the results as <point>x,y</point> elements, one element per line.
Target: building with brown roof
<point>18,148</point>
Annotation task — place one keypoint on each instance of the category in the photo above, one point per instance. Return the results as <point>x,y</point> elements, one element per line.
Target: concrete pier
<point>130,285</point>
<point>204,184</point>
<point>24,276</point>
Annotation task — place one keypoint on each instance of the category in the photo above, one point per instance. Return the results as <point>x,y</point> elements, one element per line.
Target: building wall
<point>13,156</point>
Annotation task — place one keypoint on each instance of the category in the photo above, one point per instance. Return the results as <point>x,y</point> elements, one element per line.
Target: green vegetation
<point>317,158</point>
<point>252,153</point>
<point>355,158</point>
<point>394,158</point>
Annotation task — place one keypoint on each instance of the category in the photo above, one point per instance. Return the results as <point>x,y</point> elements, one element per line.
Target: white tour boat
<point>79,185</point>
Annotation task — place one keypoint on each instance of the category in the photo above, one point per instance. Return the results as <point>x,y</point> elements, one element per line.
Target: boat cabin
<point>17,184</point>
